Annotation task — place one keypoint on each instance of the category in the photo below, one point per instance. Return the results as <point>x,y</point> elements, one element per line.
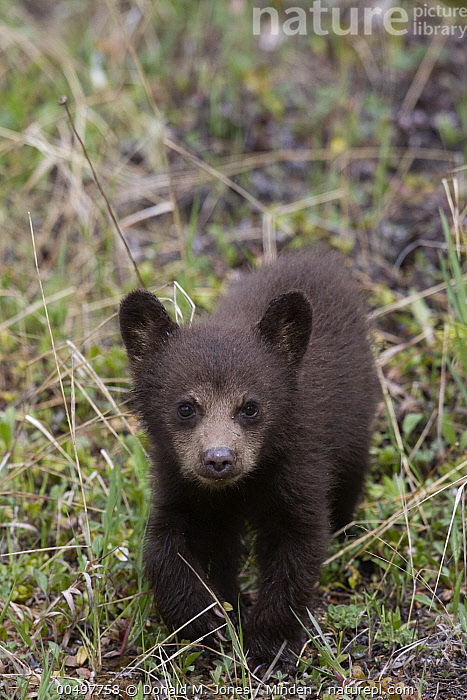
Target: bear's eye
<point>185,410</point>
<point>250,410</point>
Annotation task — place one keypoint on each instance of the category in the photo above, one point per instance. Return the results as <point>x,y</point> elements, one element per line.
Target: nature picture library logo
<point>323,18</point>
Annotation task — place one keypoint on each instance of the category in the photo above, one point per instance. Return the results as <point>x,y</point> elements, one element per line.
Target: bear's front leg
<point>179,592</point>
<point>290,550</point>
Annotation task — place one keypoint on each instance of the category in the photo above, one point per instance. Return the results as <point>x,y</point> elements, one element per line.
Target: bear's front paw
<point>261,656</point>
<point>273,637</point>
<point>264,648</point>
<point>209,628</point>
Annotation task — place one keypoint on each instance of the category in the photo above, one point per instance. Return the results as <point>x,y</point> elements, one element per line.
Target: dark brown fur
<point>294,471</point>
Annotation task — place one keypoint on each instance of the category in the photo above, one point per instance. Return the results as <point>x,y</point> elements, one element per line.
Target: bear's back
<point>338,312</point>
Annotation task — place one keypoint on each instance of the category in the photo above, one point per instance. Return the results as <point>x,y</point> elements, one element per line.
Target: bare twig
<point>63,101</point>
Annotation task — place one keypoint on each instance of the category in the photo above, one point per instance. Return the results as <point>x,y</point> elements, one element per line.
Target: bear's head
<point>210,394</point>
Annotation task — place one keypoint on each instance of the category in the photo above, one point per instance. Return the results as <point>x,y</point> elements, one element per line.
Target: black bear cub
<point>260,413</point>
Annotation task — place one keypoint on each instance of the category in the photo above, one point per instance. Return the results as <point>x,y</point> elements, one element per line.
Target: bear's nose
<point>219,460</point>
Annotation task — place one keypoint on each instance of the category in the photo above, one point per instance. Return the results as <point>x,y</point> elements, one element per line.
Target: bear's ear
<point>286,325</point>
<point>144,324</point>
